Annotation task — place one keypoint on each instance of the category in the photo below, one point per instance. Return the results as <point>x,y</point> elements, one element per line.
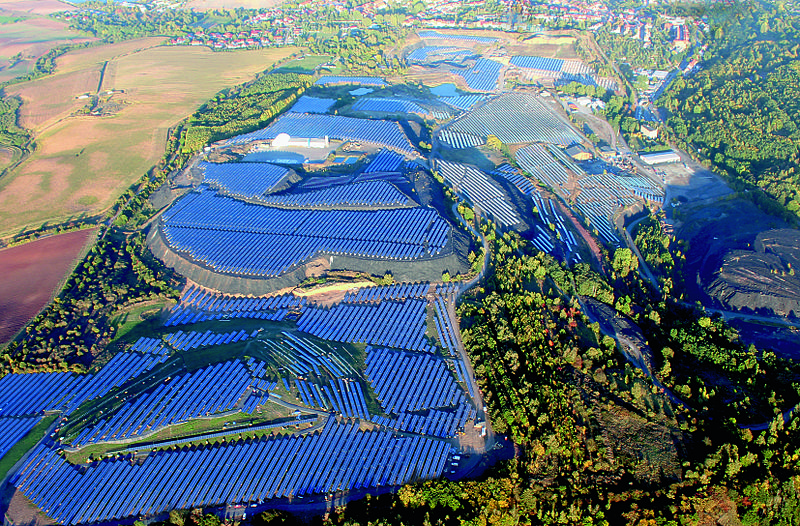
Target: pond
<point>445,90</point>
<point>276,157</point>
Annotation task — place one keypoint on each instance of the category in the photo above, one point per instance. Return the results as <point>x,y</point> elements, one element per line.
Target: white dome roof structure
<point>281,140</point>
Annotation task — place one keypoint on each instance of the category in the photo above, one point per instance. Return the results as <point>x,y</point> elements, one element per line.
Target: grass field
<point>16,452</point>
<point>83,163</point>
<point>30,275</point>
<point>307,64</point>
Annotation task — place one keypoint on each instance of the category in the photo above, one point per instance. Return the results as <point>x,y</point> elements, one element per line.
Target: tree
<point>624,261</point>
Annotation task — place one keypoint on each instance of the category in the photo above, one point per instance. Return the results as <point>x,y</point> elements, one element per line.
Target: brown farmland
<point>83,162</point>
<point>30,275</point>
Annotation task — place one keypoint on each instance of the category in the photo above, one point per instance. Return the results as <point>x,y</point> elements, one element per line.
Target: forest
<point>243,109</point>
<point>741,111</point>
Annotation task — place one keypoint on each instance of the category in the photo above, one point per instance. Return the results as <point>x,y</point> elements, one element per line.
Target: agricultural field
<point>72,172</point>
<point>30,275</point>
<point>305,64</point>
<point>25,34</point>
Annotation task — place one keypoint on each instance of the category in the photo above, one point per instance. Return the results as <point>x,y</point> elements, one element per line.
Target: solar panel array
<point>463,102</point>
<point>468,38</point>
<point>214,389</point>
<point>244,180</point>
<point>483,76</point>
<point>366,194</point>
<point>302,357</point>
<point>460,140</point>
<point>304,125</point>
<point>543,239</point>
<point>539,163</point>
<point>150,345</point>
<point>31,394</point>
<point>442,424</point>
<point>444,327</point>
<point>559,70</point>
<point>539,63</point>
<point>438,53</point>
<point>401,291</point>
<point>306,104</point>
<point>339,458</point>
<point>388,105</point>
<point>240,238</point>
<point>478,187</point>
<point>385,161</point>
<point>342,396</point>
<point>406,382</point>
<point>198,305</point>
<point>599,195</point>
<point>516,118</point>
<point>13,429</point>
<point>182,341</point>
<point>394,324</point>
<point>328,80</point>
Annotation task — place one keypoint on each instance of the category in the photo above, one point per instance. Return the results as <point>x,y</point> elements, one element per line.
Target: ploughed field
<point>30,275</point>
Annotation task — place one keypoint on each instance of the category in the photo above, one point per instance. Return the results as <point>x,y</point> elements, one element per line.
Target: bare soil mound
<point>763,278</point>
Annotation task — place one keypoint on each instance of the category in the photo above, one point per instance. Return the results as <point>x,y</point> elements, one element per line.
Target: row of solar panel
<point>343,396</point>
<point>400,291</point>
<point>244,180</point>
<point>406,382</point>
<point>442,424</point>
<point>210,390</point>
<point>13,429</point>
<point>30,394</point>
<point>339,458</point>
<point>369,193</point>
<point>394,324</point>
<point>309,125</point>
<point>516,118</point>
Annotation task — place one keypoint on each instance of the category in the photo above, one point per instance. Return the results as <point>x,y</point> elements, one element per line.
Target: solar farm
<point>372,398</point>
<point>558,71</point>
<point>512,118</point>
<point>320,382</point>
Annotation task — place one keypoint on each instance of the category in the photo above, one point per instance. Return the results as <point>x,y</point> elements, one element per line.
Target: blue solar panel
<point>483,76</point>
<point>541,63</point>
<point>335,127</point>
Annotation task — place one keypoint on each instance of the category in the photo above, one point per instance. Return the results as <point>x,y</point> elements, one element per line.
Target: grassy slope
<point>20,448</point>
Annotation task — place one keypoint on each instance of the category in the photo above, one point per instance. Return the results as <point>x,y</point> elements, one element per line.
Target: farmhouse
<point>650,132</point>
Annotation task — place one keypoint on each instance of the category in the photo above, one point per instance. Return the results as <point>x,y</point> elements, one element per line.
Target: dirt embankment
<point>739,258</point>
<point>764,278</point>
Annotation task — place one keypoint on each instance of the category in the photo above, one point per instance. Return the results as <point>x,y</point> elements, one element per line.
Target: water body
<point>445,90</point>
<point>274,157</point>
<point>360,91</point>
